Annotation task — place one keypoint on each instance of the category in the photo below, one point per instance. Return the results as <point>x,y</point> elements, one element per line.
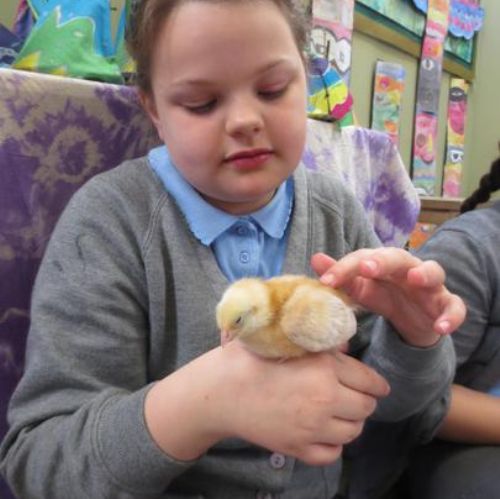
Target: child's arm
<point>472,418</point>
<point>410,294</point>
<point>306,408</point>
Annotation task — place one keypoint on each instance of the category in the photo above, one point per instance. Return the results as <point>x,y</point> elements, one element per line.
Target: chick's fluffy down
<point>285,316</point>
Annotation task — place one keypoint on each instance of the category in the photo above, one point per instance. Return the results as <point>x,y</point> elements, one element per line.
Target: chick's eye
<point>204,108</point>
<point>238,320</point>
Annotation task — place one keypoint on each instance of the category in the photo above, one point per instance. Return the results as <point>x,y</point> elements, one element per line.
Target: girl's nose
<point>244,118</point>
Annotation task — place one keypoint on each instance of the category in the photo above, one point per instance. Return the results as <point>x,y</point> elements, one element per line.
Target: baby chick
<point>285,316</point>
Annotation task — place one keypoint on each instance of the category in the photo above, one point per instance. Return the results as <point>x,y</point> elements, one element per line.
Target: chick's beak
<point>225,337</point>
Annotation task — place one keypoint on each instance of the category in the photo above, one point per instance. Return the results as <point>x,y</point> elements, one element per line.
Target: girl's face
<point>229,100</point>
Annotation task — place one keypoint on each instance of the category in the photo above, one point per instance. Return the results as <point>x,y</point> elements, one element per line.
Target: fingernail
<point>444,327</point>
<point>327,279</point>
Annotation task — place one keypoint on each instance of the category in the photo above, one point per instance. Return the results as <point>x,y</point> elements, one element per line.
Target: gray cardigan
<point>125,295</point>
<point>468,248</point>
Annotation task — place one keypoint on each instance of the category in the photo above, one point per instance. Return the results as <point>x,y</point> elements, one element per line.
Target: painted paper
<point>329,97</point>
<point>404,14</point>
<point>24,20</point>
<point>70,39</point>
<point>420,234</point>
<point>466,16</point>
<point>332,23</point>
<point>386,106</point>
<point>10,45</point>
<point>427,103</point>
<point>457,112</point>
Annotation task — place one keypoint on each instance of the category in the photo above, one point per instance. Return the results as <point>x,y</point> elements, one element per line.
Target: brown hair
<point>489,183</point>
<point>148,16</point>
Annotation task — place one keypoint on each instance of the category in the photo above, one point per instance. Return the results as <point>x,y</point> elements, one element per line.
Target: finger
<point>319,454</point>
<point>379,263</point>
<point>340,432</point>
<point>452,317</point>
<point>427,275</point>
<point>357,376</point>
<point>320,262</point>
<point>352,406</point>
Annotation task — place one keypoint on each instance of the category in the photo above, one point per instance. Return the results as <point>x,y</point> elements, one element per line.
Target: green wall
<point>483,122</point>
<point>483,125</point>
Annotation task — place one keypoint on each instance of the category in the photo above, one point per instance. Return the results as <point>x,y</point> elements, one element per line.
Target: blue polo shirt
<point>249,245</point>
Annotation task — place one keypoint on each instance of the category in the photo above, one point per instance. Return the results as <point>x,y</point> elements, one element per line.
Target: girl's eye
<point>272,94</point>
<point>202,108</point>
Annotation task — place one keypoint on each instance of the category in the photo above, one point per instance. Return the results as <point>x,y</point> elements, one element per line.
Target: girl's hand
<point>407,291</point>
<point>307,408</point>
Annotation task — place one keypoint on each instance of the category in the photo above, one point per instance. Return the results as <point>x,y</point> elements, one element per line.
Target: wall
<point>483,125</point>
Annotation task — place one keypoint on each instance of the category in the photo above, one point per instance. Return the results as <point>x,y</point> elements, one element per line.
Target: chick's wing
<point>316,318</point>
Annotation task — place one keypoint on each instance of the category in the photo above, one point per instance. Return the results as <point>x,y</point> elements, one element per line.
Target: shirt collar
<point>208,222</point>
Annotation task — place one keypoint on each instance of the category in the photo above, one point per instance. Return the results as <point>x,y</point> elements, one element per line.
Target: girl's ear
<point>149,105</point>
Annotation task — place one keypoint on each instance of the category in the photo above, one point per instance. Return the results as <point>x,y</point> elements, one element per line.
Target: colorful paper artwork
<point>329,60</point>
<point>70,39</point>
<point>457,112</point>
<point>332,24</point>
<point>404,14</point>
<point>466,16</point>
<point>329,97</point>
<point>420,234</point>
<point>427,105</point>
<point>386,106</point>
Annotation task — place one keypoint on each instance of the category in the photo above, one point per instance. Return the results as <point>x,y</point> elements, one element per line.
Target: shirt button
<point>241,230</point>
<point>244,257</point>
<point>277,461</point>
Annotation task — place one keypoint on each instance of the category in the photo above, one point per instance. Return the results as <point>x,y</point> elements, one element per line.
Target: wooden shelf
<point>436,210</point>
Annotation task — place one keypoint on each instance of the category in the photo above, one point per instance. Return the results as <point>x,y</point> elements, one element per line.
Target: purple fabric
<point>56,133</point>
<point>369,163</point>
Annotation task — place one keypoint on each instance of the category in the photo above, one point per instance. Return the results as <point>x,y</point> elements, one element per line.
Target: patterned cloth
<point>56,133</point>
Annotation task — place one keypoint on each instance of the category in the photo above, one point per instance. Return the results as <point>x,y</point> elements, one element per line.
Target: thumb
<point>320,262</point>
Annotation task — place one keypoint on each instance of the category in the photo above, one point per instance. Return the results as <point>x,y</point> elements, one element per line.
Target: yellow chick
<point>285,316</point>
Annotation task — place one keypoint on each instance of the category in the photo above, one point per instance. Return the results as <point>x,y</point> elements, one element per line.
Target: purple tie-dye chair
<point>55,133</point>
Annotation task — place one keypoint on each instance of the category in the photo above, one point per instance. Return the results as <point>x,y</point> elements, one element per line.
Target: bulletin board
<point>401,24</point>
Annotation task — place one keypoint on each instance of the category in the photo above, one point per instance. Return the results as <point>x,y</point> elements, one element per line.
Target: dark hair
<point>148,16</point>
<point>490,182</point>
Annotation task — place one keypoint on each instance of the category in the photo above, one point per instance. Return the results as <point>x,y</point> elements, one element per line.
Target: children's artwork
<point>332,24</point>
<point>10,45</point>
<point>329,97</point>
<point>386,106</point>
<point>420,234</point>
<point>71,39</point>
<point>24,20</point>
<point>457,112</point>
<point>403,17</point>
<point>123,59</point>
<point>427,105</point>
<point>466,16</point>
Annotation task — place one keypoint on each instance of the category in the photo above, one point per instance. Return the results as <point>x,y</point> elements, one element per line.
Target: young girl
<point>126,392</point>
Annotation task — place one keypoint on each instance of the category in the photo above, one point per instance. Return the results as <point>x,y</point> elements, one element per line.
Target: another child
<point>126,391</point>
<point>464,460</point>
